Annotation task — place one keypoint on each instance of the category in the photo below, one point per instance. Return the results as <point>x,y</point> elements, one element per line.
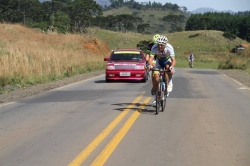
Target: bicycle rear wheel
<point>163,104</point>
<point>158,98</point>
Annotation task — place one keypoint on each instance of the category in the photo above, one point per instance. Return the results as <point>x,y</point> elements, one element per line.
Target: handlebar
<point>161,70</point>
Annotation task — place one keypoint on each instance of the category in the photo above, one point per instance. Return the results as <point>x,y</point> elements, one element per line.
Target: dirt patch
<point>95,46</point>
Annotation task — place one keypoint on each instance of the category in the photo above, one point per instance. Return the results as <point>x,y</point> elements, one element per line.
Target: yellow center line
<point>86,152</point>
<point>107,151</point>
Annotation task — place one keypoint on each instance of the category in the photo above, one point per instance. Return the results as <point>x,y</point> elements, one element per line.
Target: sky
<point>220,5</point>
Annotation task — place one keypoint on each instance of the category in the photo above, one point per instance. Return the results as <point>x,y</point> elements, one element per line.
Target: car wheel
<point>107,80</point>
<point>145,78</point>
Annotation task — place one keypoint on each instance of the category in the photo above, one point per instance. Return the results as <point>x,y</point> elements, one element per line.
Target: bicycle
<point>161,90</point>
<point>191,63</point>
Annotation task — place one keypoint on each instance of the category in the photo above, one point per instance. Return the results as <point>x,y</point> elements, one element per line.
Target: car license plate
<point>124,73</point>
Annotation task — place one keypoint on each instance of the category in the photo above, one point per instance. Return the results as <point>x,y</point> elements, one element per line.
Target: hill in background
<point>100,2</point>
<point>154,17</point>
<point>204,10</point>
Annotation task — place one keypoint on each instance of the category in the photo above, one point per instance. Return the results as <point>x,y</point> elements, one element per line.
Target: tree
<point>81,13</point>
<point>229,35</point>
<point>205,21</point>
<point>143,28</point>
<point>184,9</point>
<point>62,22</point>
<point>9,11</point>
<point>19,10</point>
<point>172,19</point>
<point>175,7</point>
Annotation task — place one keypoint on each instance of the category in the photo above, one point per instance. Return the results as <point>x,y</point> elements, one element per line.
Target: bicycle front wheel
<point>158,97</point>
<point>163,102</point>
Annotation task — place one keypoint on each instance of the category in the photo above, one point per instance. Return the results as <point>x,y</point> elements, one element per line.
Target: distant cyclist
<point>165,57</point>
<point>148,51</point>
<point>191,60</point>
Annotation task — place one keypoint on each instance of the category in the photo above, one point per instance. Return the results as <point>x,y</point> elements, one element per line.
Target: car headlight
<point>110,67</point>
<point>139,67</point>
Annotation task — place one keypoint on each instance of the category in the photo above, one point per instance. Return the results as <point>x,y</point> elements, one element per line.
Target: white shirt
<point>165,55</point>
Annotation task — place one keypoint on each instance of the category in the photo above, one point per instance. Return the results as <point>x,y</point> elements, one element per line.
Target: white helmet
<point>162,40</point>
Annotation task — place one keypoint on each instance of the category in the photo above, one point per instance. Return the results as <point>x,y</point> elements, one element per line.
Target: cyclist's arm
<point>173,61</point>
<point>147,54</point>
<point>151,58</point>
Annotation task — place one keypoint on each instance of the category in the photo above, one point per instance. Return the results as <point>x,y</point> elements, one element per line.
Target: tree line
<point>65,15</point>
<point>144,6</point>
<point>232,24</point>
<point>75,16</point>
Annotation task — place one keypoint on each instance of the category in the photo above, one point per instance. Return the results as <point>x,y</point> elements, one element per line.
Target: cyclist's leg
<point>152,76</point>
<point>159,64</point>
<point>169,75</point>
<point>155,81</point>
<point>166,78</point>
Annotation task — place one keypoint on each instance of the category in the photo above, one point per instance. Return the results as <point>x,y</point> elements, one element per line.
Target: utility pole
<point>24,17</point>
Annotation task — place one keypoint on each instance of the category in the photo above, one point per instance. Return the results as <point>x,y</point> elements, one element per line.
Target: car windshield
<point>126,56</point>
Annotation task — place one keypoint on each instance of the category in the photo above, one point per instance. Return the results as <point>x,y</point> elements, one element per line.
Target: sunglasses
<point>161,45</point>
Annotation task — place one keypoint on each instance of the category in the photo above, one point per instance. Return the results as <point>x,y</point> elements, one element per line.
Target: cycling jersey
<point>165,55</point>
<point>191,57</point>
<point>162,58</point>
<point>150,45</point>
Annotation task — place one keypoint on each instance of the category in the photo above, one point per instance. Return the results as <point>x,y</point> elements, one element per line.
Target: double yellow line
<point>103,156</point>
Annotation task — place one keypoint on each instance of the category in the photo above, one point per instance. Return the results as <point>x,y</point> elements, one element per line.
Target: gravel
<point>238,75</point>
<point>19,93</point>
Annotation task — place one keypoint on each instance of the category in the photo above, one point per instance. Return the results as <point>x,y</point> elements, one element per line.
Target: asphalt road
<point>206,122</point>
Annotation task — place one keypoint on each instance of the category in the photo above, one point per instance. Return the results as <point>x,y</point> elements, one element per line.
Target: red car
<point>126,64</point>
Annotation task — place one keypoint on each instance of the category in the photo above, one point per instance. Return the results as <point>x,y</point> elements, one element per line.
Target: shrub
<point>229,35</point>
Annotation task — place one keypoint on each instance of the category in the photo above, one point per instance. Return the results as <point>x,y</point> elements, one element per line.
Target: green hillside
<point>210,47</point>
<point>152,16</point>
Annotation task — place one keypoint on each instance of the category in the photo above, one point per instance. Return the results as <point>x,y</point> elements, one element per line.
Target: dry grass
<point>28,56</point>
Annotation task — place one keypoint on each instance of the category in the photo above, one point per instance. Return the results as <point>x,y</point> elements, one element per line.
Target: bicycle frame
<point>161,89</point>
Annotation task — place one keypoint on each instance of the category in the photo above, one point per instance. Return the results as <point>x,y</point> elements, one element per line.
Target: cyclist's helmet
<point>162,40</point>
<point>155,37</point>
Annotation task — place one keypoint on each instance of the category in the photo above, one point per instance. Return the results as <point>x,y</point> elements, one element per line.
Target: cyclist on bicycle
<point>165,58</point>
<point>148,51</point>
<point>191,59</point>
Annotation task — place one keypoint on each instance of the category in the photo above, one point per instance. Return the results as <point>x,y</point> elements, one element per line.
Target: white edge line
<point>234,80</point>
<point>243,86</point>
<point>4,104</point>
<point>76,83</point>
